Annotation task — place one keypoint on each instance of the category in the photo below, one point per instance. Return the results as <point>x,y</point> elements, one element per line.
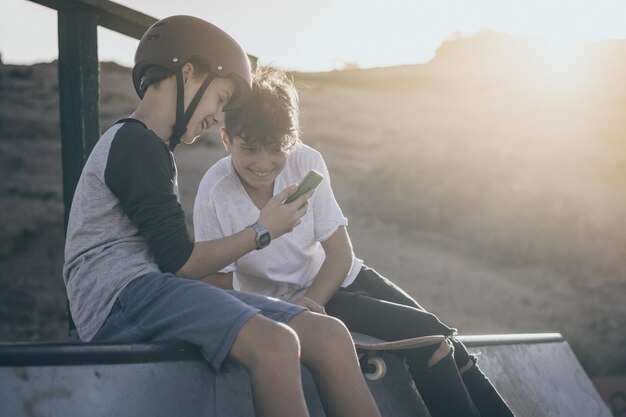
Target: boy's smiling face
<point>256,165</point>
<point>209,110</point>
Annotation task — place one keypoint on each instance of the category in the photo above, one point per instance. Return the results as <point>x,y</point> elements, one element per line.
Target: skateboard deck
<point>374,364</point>
<point>368,343</point>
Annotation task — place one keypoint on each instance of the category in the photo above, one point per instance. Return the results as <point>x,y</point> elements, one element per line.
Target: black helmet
<point>173,41</point>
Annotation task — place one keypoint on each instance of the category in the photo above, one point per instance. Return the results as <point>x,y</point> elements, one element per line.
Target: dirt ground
<point>497,205</point>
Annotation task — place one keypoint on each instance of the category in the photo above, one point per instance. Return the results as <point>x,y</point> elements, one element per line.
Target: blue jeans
<point>376,306</point>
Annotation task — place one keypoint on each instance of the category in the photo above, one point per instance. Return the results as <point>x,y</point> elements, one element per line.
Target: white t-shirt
<point>287,267</point>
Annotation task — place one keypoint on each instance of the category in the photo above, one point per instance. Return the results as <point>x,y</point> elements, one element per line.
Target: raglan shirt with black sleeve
<point>125,221</point>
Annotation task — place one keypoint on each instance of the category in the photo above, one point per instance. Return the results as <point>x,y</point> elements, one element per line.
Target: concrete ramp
<point>538,375</point>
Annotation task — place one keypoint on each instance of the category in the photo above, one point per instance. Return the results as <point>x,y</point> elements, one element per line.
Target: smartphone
<point>311,180</point>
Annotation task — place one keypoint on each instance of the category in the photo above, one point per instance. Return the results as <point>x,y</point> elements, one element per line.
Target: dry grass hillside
<point>490,183</point>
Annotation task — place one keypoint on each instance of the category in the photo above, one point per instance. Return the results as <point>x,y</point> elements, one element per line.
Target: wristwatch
<point>263,237</point>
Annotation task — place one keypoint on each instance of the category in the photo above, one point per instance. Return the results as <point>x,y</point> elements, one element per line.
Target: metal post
<point>78,93</point>
<point>79,100</point>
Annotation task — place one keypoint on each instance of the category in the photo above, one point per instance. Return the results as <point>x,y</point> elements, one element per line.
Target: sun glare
<point>559,63</point>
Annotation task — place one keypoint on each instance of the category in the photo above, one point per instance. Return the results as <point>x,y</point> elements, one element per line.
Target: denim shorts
<point>163,307</point>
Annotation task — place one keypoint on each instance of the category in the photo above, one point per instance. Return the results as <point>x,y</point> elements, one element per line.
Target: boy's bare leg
<point>270,351</point>
<point>328,351</point>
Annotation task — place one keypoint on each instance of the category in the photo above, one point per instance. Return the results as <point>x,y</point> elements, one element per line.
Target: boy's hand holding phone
<point>280,218</point>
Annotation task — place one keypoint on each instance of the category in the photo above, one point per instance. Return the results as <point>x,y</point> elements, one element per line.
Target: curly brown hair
<point>270,117</point>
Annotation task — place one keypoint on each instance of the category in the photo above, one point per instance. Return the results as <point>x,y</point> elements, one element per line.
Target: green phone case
<point>311,180</point>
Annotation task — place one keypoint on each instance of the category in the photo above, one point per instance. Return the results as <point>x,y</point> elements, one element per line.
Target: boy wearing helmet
<point>315,266</point>
<point>130,267</point>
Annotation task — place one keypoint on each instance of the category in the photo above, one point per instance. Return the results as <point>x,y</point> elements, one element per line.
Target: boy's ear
<point>188,70</point>
<point>225,140</point>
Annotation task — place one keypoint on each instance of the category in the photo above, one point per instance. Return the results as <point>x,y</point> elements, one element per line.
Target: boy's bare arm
<point>210,256</point>
<point>335,268</point>
<point>220,280</point>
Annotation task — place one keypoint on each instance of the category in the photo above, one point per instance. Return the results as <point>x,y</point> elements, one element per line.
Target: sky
<point>321,35</point>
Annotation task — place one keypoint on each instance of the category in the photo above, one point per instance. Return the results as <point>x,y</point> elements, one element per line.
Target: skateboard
<point>373,364</point>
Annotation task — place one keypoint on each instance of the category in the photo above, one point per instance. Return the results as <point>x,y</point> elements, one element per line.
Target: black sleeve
<point>140,172</point>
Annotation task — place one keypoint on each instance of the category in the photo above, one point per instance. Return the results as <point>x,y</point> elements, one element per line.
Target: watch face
<point>264,240</point>
<point>263,237</point>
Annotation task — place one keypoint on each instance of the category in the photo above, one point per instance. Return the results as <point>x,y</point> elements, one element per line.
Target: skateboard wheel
<point>376,369</point>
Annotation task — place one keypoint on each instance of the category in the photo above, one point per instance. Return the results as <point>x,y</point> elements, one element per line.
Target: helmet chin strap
<point>182,116</point>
